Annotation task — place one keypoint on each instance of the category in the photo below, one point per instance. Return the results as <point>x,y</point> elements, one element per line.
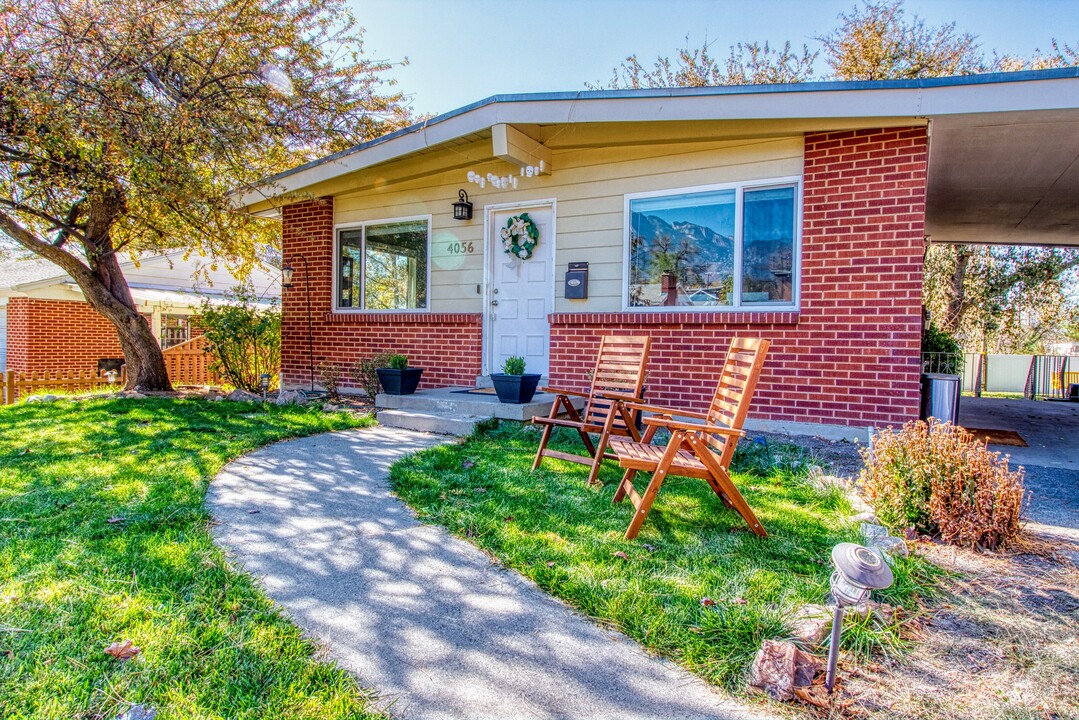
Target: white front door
<point>519,293</point>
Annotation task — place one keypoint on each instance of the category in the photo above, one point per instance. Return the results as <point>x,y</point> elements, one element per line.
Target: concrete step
<point>432,422</point>
<point>446,401</point>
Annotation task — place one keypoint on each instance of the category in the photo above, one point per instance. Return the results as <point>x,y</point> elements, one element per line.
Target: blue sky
<point>465,50</point>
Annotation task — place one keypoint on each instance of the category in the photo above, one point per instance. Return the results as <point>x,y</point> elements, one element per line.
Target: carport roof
<point>1004,147</point>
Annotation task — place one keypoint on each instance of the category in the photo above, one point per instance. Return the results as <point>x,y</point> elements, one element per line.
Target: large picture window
<point>724,247</point>
<point>383,265</point>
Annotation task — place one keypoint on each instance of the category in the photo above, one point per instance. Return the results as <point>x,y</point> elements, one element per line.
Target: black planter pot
<point>515,389</point>
<point>399,382</point>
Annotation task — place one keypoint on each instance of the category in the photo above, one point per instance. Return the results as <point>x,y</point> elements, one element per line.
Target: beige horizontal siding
<point>589,185</point>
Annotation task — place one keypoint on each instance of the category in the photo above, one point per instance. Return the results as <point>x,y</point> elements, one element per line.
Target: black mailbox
<point>577,281</point>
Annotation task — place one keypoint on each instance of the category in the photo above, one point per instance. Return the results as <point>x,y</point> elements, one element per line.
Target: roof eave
<point>921,98</point>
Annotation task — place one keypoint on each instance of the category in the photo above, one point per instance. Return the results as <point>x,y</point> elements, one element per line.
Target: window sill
<point>403,317</point>
<point>727,317</point>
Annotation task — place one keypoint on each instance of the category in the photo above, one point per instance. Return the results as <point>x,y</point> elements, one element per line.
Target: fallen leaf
<point>467,464</point>
<point>114,520</point>
<point>739,601</point>
<point>550,563</point>
<point>123,651</point>
<point>648,547</point>
<point>708,602</point>
<point>508,518</point>
<point>817,695</point>
<point>621,555</point>
<point>25,452</point>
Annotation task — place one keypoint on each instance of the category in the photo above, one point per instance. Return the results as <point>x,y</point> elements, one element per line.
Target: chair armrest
<point>693,427</point>
<point>617,396</point>
<point>666,411</point>
<point>561,391</point>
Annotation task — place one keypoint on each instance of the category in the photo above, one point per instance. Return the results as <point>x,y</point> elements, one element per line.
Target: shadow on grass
<point>104,538</point>
<point>695,585</point>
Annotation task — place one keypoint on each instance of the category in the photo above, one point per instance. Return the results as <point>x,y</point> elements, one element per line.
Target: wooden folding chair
<point>617,378</point>
<point>696,450</point>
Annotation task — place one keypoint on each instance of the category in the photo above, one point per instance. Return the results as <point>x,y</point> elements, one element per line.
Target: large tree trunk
<point>107,292</point>
<point>957,290</point>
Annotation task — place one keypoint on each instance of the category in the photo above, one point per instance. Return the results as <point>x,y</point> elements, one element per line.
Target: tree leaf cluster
<point>244,338</point>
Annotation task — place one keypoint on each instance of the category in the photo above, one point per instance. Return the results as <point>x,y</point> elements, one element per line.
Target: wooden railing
<point>189,363</point>
<point>21,384</point>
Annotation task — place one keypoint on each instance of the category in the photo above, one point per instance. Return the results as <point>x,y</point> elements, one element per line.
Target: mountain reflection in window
<point>768,246</point>
<point>682,248</point>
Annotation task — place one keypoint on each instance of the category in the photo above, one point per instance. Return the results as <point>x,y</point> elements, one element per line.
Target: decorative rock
<point>289,397</point>
<point>810,624</point>
<point>890,547</point>
<point>872,531</point>
<point>239,395</point>
<point>867,517</point>
<point>883,612</point>
<point>139,712</point>
<point>779,668</point>
<point>41,399</point>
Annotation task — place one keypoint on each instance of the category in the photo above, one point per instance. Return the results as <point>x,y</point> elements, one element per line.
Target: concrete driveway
<point>1051,429</point>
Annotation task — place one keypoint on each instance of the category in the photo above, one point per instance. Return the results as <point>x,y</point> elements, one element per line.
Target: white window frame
<point>337,228</point>
<point>740,188</point>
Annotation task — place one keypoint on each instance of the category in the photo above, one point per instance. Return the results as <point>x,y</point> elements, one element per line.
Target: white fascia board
<point>846,101</point>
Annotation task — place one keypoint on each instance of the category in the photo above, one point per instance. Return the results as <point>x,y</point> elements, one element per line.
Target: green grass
<point>104,538</point>
<point>552,528</point>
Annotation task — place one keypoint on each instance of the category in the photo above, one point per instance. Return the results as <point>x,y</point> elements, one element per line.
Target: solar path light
<point>858,572</point>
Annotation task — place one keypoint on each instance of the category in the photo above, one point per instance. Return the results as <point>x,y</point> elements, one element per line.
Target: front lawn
<point>104,538</point>
<point>695,585</point>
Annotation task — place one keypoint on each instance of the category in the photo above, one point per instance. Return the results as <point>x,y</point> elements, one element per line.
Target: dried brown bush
<point>329,374</point>
<point>364,372</point>
<point>940,480</point>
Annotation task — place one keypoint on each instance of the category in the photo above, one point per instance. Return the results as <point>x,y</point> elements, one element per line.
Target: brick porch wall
<point>57,335</point>
<point>851,355</point>
<point>447,345</point>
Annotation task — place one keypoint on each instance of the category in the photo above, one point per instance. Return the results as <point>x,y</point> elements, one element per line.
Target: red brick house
<point>799,213</point>
<point>46,324</point>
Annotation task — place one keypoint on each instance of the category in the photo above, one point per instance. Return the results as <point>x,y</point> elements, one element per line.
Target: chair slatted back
<point>620,368</point>
<point>738,380</point>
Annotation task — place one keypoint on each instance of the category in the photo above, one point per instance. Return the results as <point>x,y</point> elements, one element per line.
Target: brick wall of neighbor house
<point>58,335</point>
<point>851,355</point>
<point>447,346</point>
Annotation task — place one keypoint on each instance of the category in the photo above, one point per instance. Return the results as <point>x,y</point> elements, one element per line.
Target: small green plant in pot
<point>399,378</point>
<point>513,384</point>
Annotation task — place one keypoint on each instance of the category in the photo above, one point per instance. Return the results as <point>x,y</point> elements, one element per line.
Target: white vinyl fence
<point>1033,376</point>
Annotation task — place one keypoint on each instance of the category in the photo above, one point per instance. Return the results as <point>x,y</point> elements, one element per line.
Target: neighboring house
<point>799,213</point>
<point>46,324</point>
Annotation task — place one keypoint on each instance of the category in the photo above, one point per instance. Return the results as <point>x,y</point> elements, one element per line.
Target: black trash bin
<point>940,397</point>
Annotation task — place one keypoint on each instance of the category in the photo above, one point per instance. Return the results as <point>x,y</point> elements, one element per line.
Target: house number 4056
<point>460,248</point>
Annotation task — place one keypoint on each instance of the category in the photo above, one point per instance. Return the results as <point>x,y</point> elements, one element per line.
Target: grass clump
<point>696,585</point>
<point>104,538</point>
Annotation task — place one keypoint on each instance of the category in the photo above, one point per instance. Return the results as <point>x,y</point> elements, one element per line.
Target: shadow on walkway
<point>424,618</point>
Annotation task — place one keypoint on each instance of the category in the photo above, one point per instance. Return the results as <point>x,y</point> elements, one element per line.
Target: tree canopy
<point>124,126</point>
<point>1020,297</point>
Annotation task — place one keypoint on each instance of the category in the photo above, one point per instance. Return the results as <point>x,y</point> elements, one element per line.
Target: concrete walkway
<point>423,618</point>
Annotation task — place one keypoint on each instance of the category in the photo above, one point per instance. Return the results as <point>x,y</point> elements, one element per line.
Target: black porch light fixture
<point>286,282</point>
<point>462,209</point>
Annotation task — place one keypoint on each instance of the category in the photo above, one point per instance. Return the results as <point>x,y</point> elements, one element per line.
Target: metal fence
<point>1033,376</point>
